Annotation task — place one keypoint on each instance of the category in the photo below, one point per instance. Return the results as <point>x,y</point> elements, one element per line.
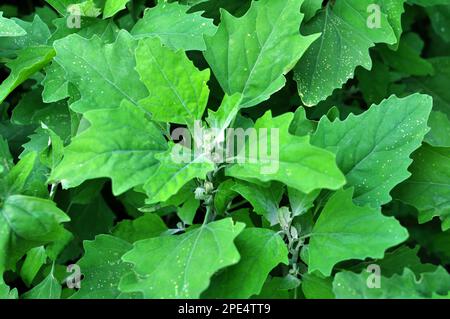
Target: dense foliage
<point>352,201</point>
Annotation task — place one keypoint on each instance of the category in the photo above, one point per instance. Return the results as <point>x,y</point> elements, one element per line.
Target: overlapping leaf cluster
<point>356,89</point>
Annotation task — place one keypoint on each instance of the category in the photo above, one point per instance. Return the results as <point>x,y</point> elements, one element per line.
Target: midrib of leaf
<point>173,176</point>
<point>191,253</point>
<point>376,145</point>
<point>263,48</point>
<point>322,40</point>
<point>108,80</point>
<point>173,89</point>
<point>188,261</point>
<point>283,161</point>
<point>114,85</point>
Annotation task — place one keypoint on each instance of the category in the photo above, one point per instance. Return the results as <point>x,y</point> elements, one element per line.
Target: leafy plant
<point>128,163</point>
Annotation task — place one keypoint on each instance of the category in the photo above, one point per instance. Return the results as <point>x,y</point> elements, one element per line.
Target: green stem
<point>238,204</point>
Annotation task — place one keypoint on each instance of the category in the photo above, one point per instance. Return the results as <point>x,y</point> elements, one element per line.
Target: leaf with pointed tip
<point>49,288</point>
<point>31,110</point>
<point>27,222</point>
<point>342,227</point>
<point>180,266</point>
<point>373,149</point>
<point>394,10</point>
<point>310,8</point>
<point>35,259</point>
<point>27,177</point>
<point>29,61</point>
<point>176,28</point>
<point>343,45</point>
<point>436,85</point>
<point>440,130</point>
<point>226,114</point>
<point>178,90</point>
<point>251,54</point>
<point>102,268</point>
<point>349,285</point>
<point>120,144</point>
<point>8,28</point>
<point>261,250</point>
<point>111,7</point>
<point>292,161</point>
<point>103,73</point>
<point>172,174</point>
<point>301,202</point>
<point>147,226</point>
<point>56,87</point>
<point>265,200</point>
<point>407,58</point>
<point>37,34</point>
<point>428,189</point>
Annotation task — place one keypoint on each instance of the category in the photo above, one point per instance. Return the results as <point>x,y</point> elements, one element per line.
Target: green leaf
<point>394,10</point>
<point>32,110</point>
<point>316,286</point>
<point>293,161</point>
<point>261,250</point>
<point>180,266</point>
<point>27,222</point>
<point>49,288</point>
<point>37,34</point>
<point>178,90</point>
<point>406,286</point>
<point>188,210</point>
<point>104,74</point>
<point>436,85</point>
<point>120,144</point>
<point>171,174</point>
<point>102,268</point>
<point>6,160</point>
<point>395,261</point>
<point>225,115</point>
<point>8,28</point>
<point>55,84</point>
<point>373,149</point>
<point>87,221</point>
<point>440,20</point>
<point>301,202</point>
<point>111,7</point>
<point>28,177</point>
<point>374,84</point>
<point>176,28</point>
<point>440,130</point>
<point>278,287</point>
<point>28,62</point>
<point>6,292</point>
<point>265,200</point>
<point>147,226</point>
<point>251,54</point>
<point>428,189</point>
<point>310,8</point>
<point>34,260</point>
<point>407,59</point>
<point>343,45</point>
<point>342,227</point>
